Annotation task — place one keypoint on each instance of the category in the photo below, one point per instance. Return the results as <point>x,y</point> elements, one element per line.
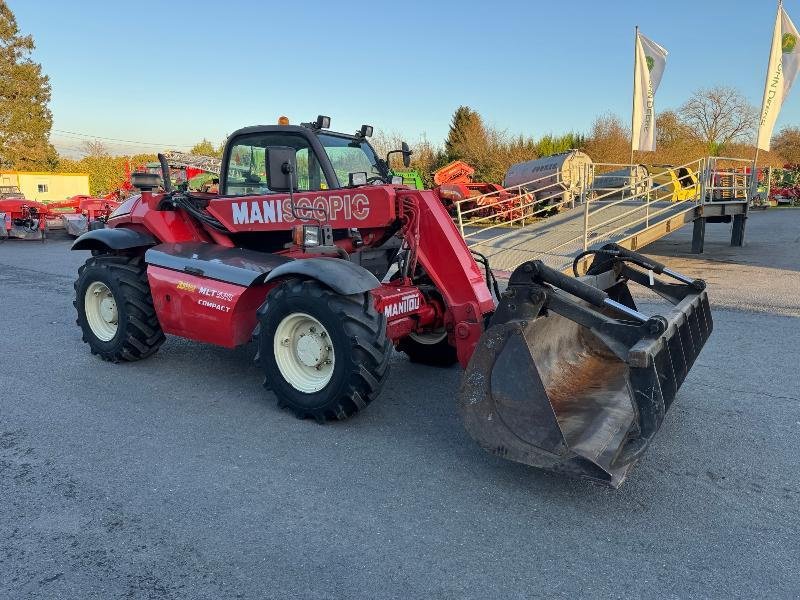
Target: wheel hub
<point>311,349</point>
<point>303,352</point>
<point>108,310</point>
<point>101,312</point>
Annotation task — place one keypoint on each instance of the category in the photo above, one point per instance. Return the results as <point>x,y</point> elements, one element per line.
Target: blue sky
<point>175,72</point>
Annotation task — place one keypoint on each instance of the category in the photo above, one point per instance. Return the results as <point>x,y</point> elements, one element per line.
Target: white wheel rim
<point>429,339</point>
<point>304,352</point>
<point>101,311</point>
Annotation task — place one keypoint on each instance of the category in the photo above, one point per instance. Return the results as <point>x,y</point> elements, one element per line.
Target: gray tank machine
<point>621,183</point>
<point>554,180</point>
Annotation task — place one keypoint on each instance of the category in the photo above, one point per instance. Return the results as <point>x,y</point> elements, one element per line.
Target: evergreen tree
<point>25,119</point>
<point>466,134</point>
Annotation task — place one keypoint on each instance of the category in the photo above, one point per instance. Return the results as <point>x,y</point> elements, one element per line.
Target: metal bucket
<point>570,377</point>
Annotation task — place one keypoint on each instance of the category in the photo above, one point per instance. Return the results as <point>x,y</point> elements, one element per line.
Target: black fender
<point>340,275</point>
<point>117,238</point>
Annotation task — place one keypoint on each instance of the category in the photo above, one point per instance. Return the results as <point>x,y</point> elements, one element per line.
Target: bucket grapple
<point>571,377</point>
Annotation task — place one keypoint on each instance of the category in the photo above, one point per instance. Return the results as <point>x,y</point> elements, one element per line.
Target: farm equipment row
<point>28,219</point>
<point>561,373</point>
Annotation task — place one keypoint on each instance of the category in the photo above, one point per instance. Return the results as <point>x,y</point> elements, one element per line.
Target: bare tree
<point>787,144</point>
<point>94,148</point>
<point>719,116</point>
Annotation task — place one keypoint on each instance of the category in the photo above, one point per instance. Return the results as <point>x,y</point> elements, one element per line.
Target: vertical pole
<point>698,234</point>
<point>769,186</point>
<point>754,187</point>
<point>585,198</point>
<point>754,176</point>
<point>460,219</point>
<point>633,94</point>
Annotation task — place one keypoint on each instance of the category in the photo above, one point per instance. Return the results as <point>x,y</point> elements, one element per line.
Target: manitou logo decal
<point>407,304</point>
<point>280,211</point>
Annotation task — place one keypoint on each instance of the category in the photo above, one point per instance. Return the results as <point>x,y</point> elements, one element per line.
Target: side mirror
<point>406,155</point>
<point>405,151</point>
<point>281,169</point>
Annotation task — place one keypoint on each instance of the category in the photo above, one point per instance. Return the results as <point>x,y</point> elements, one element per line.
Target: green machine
<point>411,178</point>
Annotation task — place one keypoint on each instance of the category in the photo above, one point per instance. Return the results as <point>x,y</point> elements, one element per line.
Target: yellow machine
<point>673,183</point>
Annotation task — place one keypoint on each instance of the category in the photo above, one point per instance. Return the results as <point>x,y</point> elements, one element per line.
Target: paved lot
<point>178,477</point>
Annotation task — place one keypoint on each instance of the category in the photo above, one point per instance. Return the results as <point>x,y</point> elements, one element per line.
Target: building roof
<point>42,173</point>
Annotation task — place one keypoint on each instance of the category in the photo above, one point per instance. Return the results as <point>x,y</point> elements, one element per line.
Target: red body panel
<point>165,225</point>
<point>367,207</point>
<point>448,262</point>
<point>205,310</point>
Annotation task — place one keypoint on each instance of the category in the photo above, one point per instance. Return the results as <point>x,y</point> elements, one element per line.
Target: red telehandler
<point>298,252</point>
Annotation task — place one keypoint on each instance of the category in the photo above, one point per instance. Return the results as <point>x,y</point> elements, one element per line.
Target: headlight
<point>307,235</point>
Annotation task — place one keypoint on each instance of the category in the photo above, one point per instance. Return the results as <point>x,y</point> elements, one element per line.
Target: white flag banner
<point>784,61</point>
<point>651,59</point>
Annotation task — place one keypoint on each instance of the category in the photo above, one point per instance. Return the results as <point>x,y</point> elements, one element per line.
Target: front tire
<point>324,355</point>
<point>115,308</point>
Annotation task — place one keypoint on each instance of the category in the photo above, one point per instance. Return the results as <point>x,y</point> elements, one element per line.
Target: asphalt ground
<point>179,477</point>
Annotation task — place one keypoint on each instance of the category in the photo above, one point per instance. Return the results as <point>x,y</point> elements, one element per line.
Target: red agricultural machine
<point>454,184</point>
<point>79,214</point>
<point>562,373</point>
<point>21,218</point>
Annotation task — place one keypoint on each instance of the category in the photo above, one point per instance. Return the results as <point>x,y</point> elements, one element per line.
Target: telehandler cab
<point>312,249</point>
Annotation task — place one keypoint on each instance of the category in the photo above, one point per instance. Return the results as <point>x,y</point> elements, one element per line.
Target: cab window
<point>247,171</point>
<point>349,155</point>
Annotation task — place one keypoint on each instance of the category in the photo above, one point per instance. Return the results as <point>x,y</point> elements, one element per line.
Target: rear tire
<point>429,349</point>
<point>324,355</point>
<point>115,308</point>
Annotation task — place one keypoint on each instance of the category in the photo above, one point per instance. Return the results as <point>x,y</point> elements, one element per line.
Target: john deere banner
<point>648,69</point>
<point>784,60</point>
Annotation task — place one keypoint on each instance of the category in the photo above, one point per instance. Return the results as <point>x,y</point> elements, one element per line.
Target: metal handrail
<point>590,182</point>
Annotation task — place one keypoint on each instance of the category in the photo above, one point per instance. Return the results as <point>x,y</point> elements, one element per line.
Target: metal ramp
<point>555,227</point>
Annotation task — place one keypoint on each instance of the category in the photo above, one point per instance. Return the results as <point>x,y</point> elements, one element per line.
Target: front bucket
<point>562,384</point>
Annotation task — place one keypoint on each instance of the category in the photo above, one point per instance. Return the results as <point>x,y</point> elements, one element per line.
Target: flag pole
<point>633,95</point>
<point>754,176</point>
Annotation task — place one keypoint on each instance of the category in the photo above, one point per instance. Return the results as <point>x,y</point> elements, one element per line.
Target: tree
<point>94,148</point>
<point>609,140</point>
<point>553,144</point>
<point>106,173</point>
<point>25,119</point>
<point>719,116</point>
<point>676,142</point>
<point>467,136</point>
<point>206,148</point>
<point>671,130</point>
<point>787,144</point>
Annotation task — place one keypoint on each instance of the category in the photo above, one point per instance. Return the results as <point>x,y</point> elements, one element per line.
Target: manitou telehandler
<point>311,249</point>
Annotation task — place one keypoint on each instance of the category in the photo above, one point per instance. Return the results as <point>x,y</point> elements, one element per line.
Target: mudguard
<point>342,276</point>
<point>117,238</point>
